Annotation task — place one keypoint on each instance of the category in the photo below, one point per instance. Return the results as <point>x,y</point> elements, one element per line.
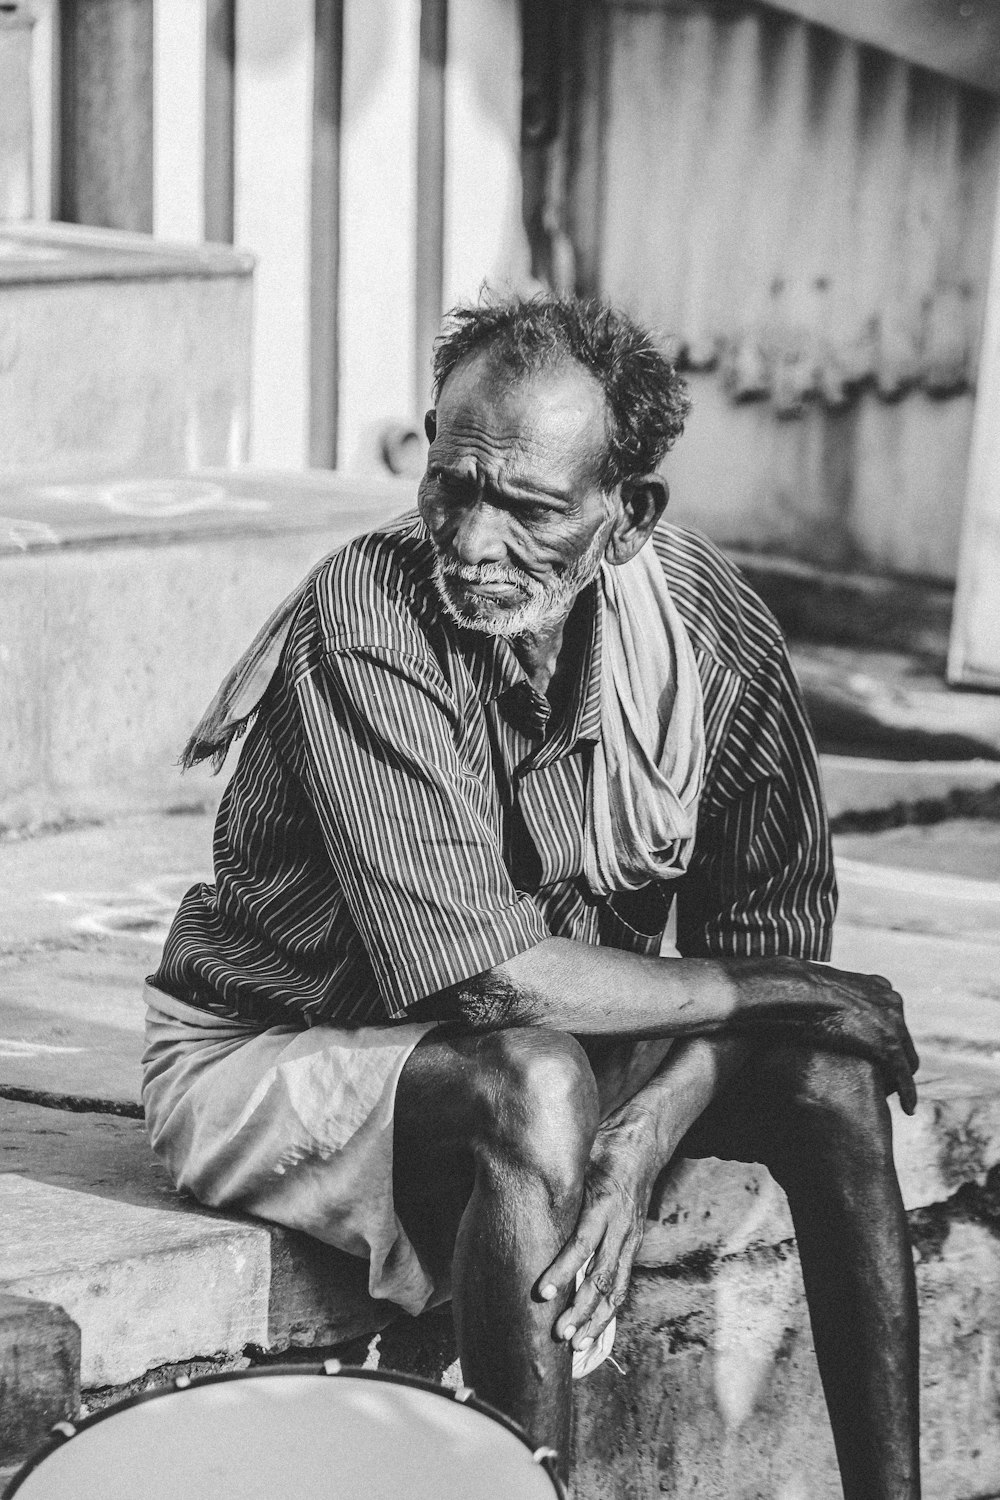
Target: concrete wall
<point>808,221</point>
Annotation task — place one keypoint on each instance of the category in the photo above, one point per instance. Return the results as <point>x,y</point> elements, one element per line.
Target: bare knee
<point>834,1104</point>
<point>536,1105</point>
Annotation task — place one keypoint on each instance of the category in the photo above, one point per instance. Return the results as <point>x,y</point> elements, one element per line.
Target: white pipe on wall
<point>273,153</point>
<point>179,120</point>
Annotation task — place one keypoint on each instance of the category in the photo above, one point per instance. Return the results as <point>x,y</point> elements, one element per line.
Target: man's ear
<point>641,504</point>
<point>431,425</point>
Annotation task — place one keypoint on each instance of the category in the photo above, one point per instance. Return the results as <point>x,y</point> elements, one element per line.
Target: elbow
<point>487,1002</point>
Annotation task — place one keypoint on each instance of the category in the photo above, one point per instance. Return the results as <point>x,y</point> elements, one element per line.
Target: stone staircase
<point>128,602</point>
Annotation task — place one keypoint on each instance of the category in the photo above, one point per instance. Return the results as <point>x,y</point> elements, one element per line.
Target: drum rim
<point>58,1436</point>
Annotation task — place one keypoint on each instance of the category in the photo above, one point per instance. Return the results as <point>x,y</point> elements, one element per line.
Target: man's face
<point>510,496</point>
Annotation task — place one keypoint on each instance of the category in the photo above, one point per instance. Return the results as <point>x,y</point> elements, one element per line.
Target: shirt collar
<point>497,673</point>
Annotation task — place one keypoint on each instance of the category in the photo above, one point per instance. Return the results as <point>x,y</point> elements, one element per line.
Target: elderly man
<point>424,1013</point>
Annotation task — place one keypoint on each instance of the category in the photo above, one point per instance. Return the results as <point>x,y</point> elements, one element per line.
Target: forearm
<point>691,1076</point>
<point>595,991</point>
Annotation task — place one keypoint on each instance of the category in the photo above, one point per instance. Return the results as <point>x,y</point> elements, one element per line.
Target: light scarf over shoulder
<point>649,764</point>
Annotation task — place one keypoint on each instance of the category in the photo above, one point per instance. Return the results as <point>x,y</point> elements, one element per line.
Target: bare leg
<point>492,1138</point>
<point>820,1122</point>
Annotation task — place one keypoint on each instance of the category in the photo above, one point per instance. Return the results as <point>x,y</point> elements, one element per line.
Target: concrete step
<point>897,898</point>
<point>727,1207</point>
<point>857,784</point>
<point>90,1222</point>
<point>122,605</point>
<point>123,601</point>
<point>85,914</point>
<point>121,354</point>
<point>893,705</point>
<point>718,1380</point>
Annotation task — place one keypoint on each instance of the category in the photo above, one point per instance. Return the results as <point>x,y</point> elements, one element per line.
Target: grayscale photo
<point>500,749</point>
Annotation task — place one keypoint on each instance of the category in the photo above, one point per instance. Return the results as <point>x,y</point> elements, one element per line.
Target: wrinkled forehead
<point>554,416</point>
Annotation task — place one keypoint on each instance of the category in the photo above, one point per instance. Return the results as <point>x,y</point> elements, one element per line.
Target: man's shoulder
<point>725,617</point>
<point>377,589</point>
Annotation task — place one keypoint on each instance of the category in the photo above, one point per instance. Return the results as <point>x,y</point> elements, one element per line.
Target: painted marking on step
<point>176,497</point>
<point>9,1047</point>
<point>17,532</point>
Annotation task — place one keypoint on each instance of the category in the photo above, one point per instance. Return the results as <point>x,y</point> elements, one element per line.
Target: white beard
<point>544,603</point>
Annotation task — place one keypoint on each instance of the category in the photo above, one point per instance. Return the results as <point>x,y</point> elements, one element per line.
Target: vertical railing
<point>106,135</point>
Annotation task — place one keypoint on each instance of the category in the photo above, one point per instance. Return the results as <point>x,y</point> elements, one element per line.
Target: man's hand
<point>834,1010</point>
<point>620,1177</point>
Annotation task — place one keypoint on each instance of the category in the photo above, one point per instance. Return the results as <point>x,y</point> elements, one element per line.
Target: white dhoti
<point>293,1126</point>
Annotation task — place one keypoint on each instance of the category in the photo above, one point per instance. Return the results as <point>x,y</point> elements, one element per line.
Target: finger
<point>902,1077</point>
<point>611,1304</point>
<point>608,1307</point>
<point>912,1055</point>
<point>903,1043</point>
<point>575,1254</point>
<point>590,1331</point>
<point>594,1291</point>
<point>907,1087</point>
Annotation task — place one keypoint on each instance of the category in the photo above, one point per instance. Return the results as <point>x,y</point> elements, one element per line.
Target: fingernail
<point>584,1345</point>
<point>569,1332</point>
<point>547,1292</point>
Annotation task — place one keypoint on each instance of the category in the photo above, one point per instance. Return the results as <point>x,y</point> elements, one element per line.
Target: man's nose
<point>478,535</point>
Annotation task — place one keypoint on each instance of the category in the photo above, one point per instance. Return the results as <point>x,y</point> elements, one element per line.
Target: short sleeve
<point>411,829</point>
<point>761,881</point>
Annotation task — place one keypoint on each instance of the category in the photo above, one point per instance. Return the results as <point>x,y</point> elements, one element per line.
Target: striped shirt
<point>407,812</point>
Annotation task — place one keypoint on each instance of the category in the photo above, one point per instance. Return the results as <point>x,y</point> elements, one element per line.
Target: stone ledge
<point>721,1398</point>
<point>39,1372</point>
<point>153,1285</point>
<point>723,1208</point>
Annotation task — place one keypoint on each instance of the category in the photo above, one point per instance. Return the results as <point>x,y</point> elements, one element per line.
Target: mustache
<point>484,573</point>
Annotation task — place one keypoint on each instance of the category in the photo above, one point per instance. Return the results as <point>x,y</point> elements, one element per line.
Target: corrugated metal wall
<point>810,220</point>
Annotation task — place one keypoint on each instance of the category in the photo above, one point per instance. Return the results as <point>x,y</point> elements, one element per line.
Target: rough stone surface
<point>725,1207</point>
<point>39,1372</point>
<point>721,1400</point>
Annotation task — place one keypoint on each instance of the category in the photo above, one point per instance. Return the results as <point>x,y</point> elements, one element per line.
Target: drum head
<point>278,1434</point>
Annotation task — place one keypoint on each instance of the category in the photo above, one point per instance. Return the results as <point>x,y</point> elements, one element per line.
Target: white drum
<point>287,1433</point>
